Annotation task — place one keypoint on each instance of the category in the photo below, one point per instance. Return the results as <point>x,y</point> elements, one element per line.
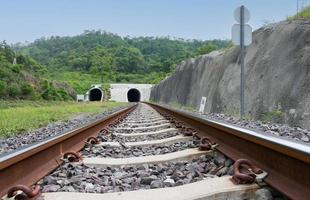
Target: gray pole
<point>297,9</point>
<point>242,79</point>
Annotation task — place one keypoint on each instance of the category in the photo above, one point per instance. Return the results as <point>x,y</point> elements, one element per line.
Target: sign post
<point>242,36</point>
<point>242,61</point>
<point>202,104</point>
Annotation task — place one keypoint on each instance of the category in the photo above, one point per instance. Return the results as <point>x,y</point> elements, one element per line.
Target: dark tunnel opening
<point>95,95</point>
<point>133,95</point>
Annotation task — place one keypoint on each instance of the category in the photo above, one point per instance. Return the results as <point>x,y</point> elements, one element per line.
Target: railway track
<point>147,151</point>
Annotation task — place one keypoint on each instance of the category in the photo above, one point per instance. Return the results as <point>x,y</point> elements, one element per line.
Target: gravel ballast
<point>281,130</point>
<point>275,129</point>
<point>76,177</point>
<point>108,138</point>
<point>125,152</point>
<point>128,131</point>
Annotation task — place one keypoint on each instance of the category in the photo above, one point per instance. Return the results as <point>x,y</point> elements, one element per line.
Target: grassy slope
<point>80,82</point>
<point>21,116</point>
<point>303,14</point>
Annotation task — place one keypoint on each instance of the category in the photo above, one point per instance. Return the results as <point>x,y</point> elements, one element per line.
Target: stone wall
<point>277,76</point>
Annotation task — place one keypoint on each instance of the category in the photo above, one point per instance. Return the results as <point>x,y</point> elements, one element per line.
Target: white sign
<point>235,34</point>
<point>80,97</point>
<point>246,14</point>
<point>203,103</point>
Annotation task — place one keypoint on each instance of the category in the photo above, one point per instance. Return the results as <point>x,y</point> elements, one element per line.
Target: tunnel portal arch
<point>95,94</point>
<point>133,95</point>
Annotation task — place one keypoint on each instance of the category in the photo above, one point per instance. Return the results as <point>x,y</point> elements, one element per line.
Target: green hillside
<point>97,54</point>
<point>23,79</point>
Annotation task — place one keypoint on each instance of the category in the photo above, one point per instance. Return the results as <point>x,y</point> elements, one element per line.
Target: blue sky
<point>191,19</point>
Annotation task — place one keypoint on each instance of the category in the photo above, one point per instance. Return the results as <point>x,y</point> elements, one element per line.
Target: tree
<point>128,59</point>
<point>114,57</point>
<point>101,62</point>
<point>205,49</point>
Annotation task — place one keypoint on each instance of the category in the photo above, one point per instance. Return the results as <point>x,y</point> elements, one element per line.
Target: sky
<point>27,20</point>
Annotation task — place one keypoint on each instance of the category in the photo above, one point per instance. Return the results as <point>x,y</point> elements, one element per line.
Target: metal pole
<point>297,9</point>
<point>242,79</point>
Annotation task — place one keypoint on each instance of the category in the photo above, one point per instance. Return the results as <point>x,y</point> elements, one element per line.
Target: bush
<point>205,49</point>
<point>56,94</point>
<point>13,91</point>
<point>64,95</point>
<point>51,94</point>
<point>303,14</point>
<point>16,68</point>
<point>4,71</point>
<point>27,89</point>
<point>3,87</point>
<point>275,116</point>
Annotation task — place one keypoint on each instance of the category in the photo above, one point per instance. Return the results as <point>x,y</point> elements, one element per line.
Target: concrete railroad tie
<point>145,124</point>
<point>165,141</point>
<point>165,125</point>
<point>212,188</point>
<point>186,154</point>
<point>145,120</point>
<point>164,131</point>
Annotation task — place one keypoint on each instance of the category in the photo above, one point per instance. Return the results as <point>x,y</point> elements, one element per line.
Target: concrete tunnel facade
<point>130,92</point>
<point>95,94</point>
<point>133,95</point>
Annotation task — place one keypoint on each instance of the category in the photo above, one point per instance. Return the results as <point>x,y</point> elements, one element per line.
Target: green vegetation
<point>303,14</point>
<point>98,56</point>
<point>275,116</point>
<point>22,80</point>
<point>57,68</point>
<point>207,48</point>
<point>21,116</point>
<point>81,81</point>
<point>235,113</point>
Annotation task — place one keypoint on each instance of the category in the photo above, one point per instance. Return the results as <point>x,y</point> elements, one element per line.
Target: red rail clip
<point>179,125</point>
<point>112,125</point>
<point>27,193</point>
<point>189,131</point>
<point>72,156</point>
<point>245,172</point>
<point>92,140</point>
<point>206,144</point>
<point>104,131</point>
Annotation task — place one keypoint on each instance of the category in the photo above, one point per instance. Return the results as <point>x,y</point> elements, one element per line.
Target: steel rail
<point>28,165</point>
<point>286,162</point>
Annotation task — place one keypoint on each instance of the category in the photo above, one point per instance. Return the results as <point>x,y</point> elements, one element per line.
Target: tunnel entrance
<point>133,95</point>
<point>95,94</point>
